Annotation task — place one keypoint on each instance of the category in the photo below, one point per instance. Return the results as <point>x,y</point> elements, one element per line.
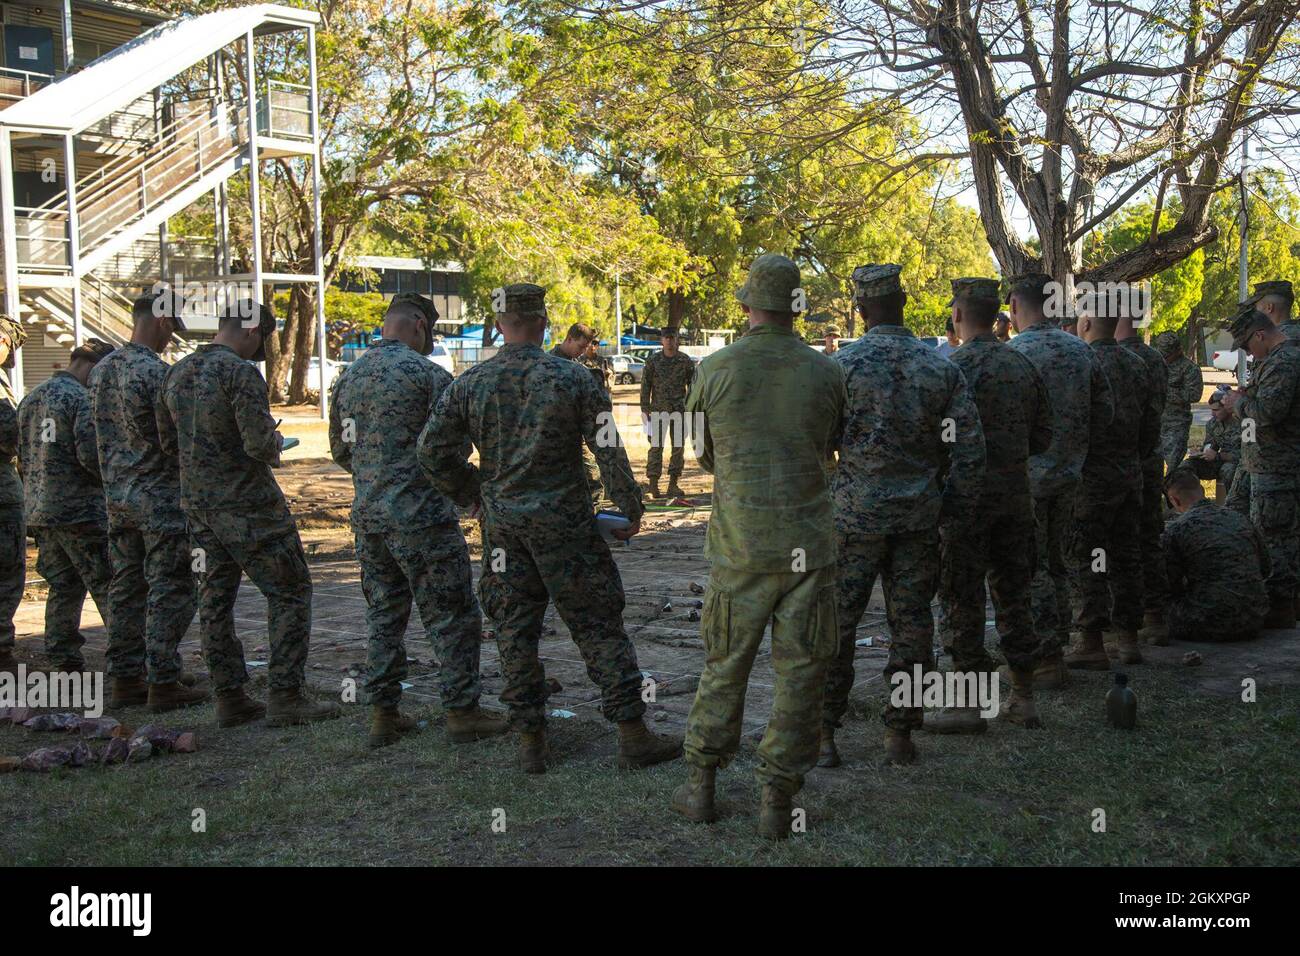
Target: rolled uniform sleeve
<point>443,450</point>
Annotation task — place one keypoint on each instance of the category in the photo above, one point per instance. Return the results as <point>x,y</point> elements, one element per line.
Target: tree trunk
<point>303,304</point>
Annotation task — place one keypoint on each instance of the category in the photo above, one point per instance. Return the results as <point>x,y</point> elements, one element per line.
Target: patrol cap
<point>670,330</point>
<point>771,284</point>
<point>975,289</point>
<point>1167,343</point>
<point>1033,284</point>
<point>93,350</point>
<point>873,281</point>
<point>831,330</point>
<point>1279,287</point>
<point>1246,323</point>
<point>524,298</point>
<point>13,331</point>
<point>162,301</point>
<point>424,305</point>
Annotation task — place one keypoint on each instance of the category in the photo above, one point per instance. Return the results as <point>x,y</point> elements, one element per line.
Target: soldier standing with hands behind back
<point>664,383</point>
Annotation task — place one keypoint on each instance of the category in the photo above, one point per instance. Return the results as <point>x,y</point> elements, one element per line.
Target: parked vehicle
<point>332,371</point>
<point>441,356</point>
<point>1226,360</point>
<point>627,369</point>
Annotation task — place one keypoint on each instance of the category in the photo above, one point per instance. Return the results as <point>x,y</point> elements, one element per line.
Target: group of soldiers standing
<point>1035,467</point>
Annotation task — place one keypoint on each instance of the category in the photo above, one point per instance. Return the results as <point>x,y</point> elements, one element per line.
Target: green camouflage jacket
<point>214,415</point>
<point>1216,559</point>
<point>11,486</point>
<point>57,457</point>
<point>1272,403</point>
<point>1015,414</point>
<point>1157,388</point>
<point>141,482</point>
<point>381,403</point>
<point>913,447</point>
<point>665,382</point>
<point>1184,388</point>
<point>1079,395</point>
<point>528,414</point>
<point>771,409</point>
<point>1117,450</point>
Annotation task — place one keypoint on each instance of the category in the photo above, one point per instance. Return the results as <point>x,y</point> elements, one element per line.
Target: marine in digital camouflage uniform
<point>1107,554</point>
<point>664,383</point>
<point>1276,299</point>
<point>597,365</point>
<point>1182,390</point>
<point>1270,409</point>
<point>529,414</point>
<point>1217,564</point>
<point>1016,417</point>
<point>1151,522</point>
<point>64,501</point>
<point>13,529</point>
<point>1223,438</point>
<point>912,457</point>
<point>1081,399</point>
<point>574,347</point>
<point>407,535</point>
<point>771,408</point>
<point>213,413</point>
<point>152,593</point>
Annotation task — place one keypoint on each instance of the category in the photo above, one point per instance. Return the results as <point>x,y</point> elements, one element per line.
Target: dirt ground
<point>663,571</point>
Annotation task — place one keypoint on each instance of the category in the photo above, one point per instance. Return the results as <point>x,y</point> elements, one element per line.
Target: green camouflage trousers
<point>999,547</point>
<point>1052,585</point>
<point>152,596</point>
<point>592,470</point>
<point>268,549</point>
<point>1239,493</point>
<point>73,559</point>
<point>1190,619</point>
<point>1173,442</point>
<point>908,566</point>
<point>431,567</point>
<point>1277,516</point>
<point>1108,558</point>
<point>521,573</point>
<point>738,606</point>
<point>666,428</point>
<point>13,570</point>
<point>1153,581</point>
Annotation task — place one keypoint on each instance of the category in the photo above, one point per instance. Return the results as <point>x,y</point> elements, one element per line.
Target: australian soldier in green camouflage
<point>408,538</point>
<point>64,501</point>
<point>530,414</point>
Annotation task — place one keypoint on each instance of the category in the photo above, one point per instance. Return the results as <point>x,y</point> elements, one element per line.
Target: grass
<point>1204,780</point>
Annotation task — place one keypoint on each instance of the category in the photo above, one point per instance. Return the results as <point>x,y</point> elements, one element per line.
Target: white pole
<point>618,315</point>
<point>13,306</point>
<point>74,238</point>
<point>317,239</point>
<point>254,186</point>
<point>1243,267</point>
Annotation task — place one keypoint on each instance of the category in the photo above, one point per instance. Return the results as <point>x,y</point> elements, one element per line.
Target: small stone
<point>693,616</point>
<point>186,743</point>
<point>661,715</point>
<point>17,715</point>
<point>695,588</point>
<point>139,750</point>
<point>99,728</point>
<point>553,686</point>
<point>116,752</point>
<point>46,759</point>
<point>60,722</point>
<point>159,737</point>
<point>668,606</point>
<point>81,754</point>
<point>1192,659</point>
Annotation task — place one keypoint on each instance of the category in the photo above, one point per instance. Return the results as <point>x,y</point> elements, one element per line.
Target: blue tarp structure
<point>628,340</point>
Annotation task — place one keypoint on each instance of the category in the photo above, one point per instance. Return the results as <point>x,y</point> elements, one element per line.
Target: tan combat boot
<point>638,747</point>
<point>287,707</point>
<point>1020,708</point>
<point>653,488</point>
<point>1089,654</point>
<point>174,696</point>
<point>674,489</point>
<point>774,808</point>
<point>1129,652</point>
<point>955,720</point>
<point>473,723</point>
<point>388,724</point>
<point>899,749</point>
<point>1154,630</point>
<point>1281,616</point>
<point>533,750</point>
<point>829,755</point>
<point>1050,673</point>
<point>234,707</point>
<point>128,692</point>
<point>694,798</point>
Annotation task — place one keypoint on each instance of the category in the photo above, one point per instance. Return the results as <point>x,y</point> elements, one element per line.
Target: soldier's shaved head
<point>884,309</point>
<point>1183,489</point>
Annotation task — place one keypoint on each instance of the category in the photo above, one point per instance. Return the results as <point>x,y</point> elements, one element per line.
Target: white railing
<point>42,239</point>
<point>17,85</point>
<point>284,110</point>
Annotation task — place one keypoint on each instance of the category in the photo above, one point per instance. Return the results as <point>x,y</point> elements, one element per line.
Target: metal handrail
<point>60,261</point>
